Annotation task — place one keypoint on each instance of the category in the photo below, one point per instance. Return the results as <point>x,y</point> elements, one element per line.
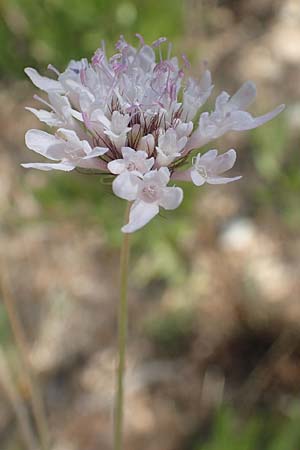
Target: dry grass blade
<point>17,404</point>
<point>21,343</point>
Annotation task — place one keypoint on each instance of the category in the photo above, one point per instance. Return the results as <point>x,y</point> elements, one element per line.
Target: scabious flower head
<point>136,115</point>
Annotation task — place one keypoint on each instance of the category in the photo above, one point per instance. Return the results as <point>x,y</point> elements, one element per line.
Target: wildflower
<point>207,168</point>
<point>131,115</point>
<point>148,193</point>
<point>65,147</point>
<point>134,161</point>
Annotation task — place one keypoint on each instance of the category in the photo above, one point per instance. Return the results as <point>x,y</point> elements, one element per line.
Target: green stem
<point>122,319</point>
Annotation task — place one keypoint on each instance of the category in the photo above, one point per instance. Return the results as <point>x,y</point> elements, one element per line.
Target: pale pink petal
<point>128,152</point>
<point>209,156</point>
<point>40,141</point>
<point>221,180</point>
<point>171,197</point>
<point>97,151</point>
<point>160,176</point>
<point>126,186</point>
<point>47,117</point>
<point>116,166</point>
<point>44,83</point>
<point>149,164</point>
<point>164,175</point>
<point>246,122</point>
<point>49,166</point>
<point>71,137</point>
<point>140,214</point>
<point>224,162</point>
<point>197,179</point>
<point>243,97</point>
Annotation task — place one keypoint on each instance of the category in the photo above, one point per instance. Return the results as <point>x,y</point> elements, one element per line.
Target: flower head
<point>131,115</point>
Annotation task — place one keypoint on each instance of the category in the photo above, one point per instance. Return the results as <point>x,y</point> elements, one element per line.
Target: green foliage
<point>4,326</point>
<point>37,32</point>
<point>276,158</point>
<point>261,432</point>
<point>171,331</point>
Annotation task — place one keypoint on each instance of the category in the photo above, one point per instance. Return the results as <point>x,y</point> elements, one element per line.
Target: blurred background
<point>214,330</point>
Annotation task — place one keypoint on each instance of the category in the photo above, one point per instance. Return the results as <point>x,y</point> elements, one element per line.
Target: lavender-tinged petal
<point>171,197</point>
<point>44,83</point>
<point>221,180</point>
<point>247,122</point>
<point>40,141</point>
<point>65,167</point>
<point>60,103</point>
<point>209,156</point>
<point>197,179</point>
<point>128,152</point>
<point>160,176</point>
<point>243,97</point>
<point>163,176</point>
<point>222,101</point>
<point>126,186</point>
<point>149,164</point>
<point>117,166</point>
<point>47,117</point>
<point>140,214</point>
<point>70,136</point>
<point>224,162</point>
<point>97,151</point>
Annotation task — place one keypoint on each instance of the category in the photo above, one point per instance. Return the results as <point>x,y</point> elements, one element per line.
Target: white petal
<point>243,97</point>
<point>50,118</point>
<point>147,143</point>
<point>40,141</point>
<point>161,176</point>
<point>171,197</point>
<point>258,121</point>
<point>140,214</point>
<point>43,83</point>
<point>221,101</point>
<point>70,136</point>
<point>149,164</point>
<point>224,162</point>
<point>146,57</point>
<point>49,166</point>
<point>247,122</point>
<point>209,156</point>
<point>117,166</point>
<point>126,186</point>
<point>164,175</point>
<point>59,102</point>
<point>221,180</point>
<point>97,151</point>
<point>197,179</point>
<point>181,143</point>
<point>129,153</point>
<point>86,100</point>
